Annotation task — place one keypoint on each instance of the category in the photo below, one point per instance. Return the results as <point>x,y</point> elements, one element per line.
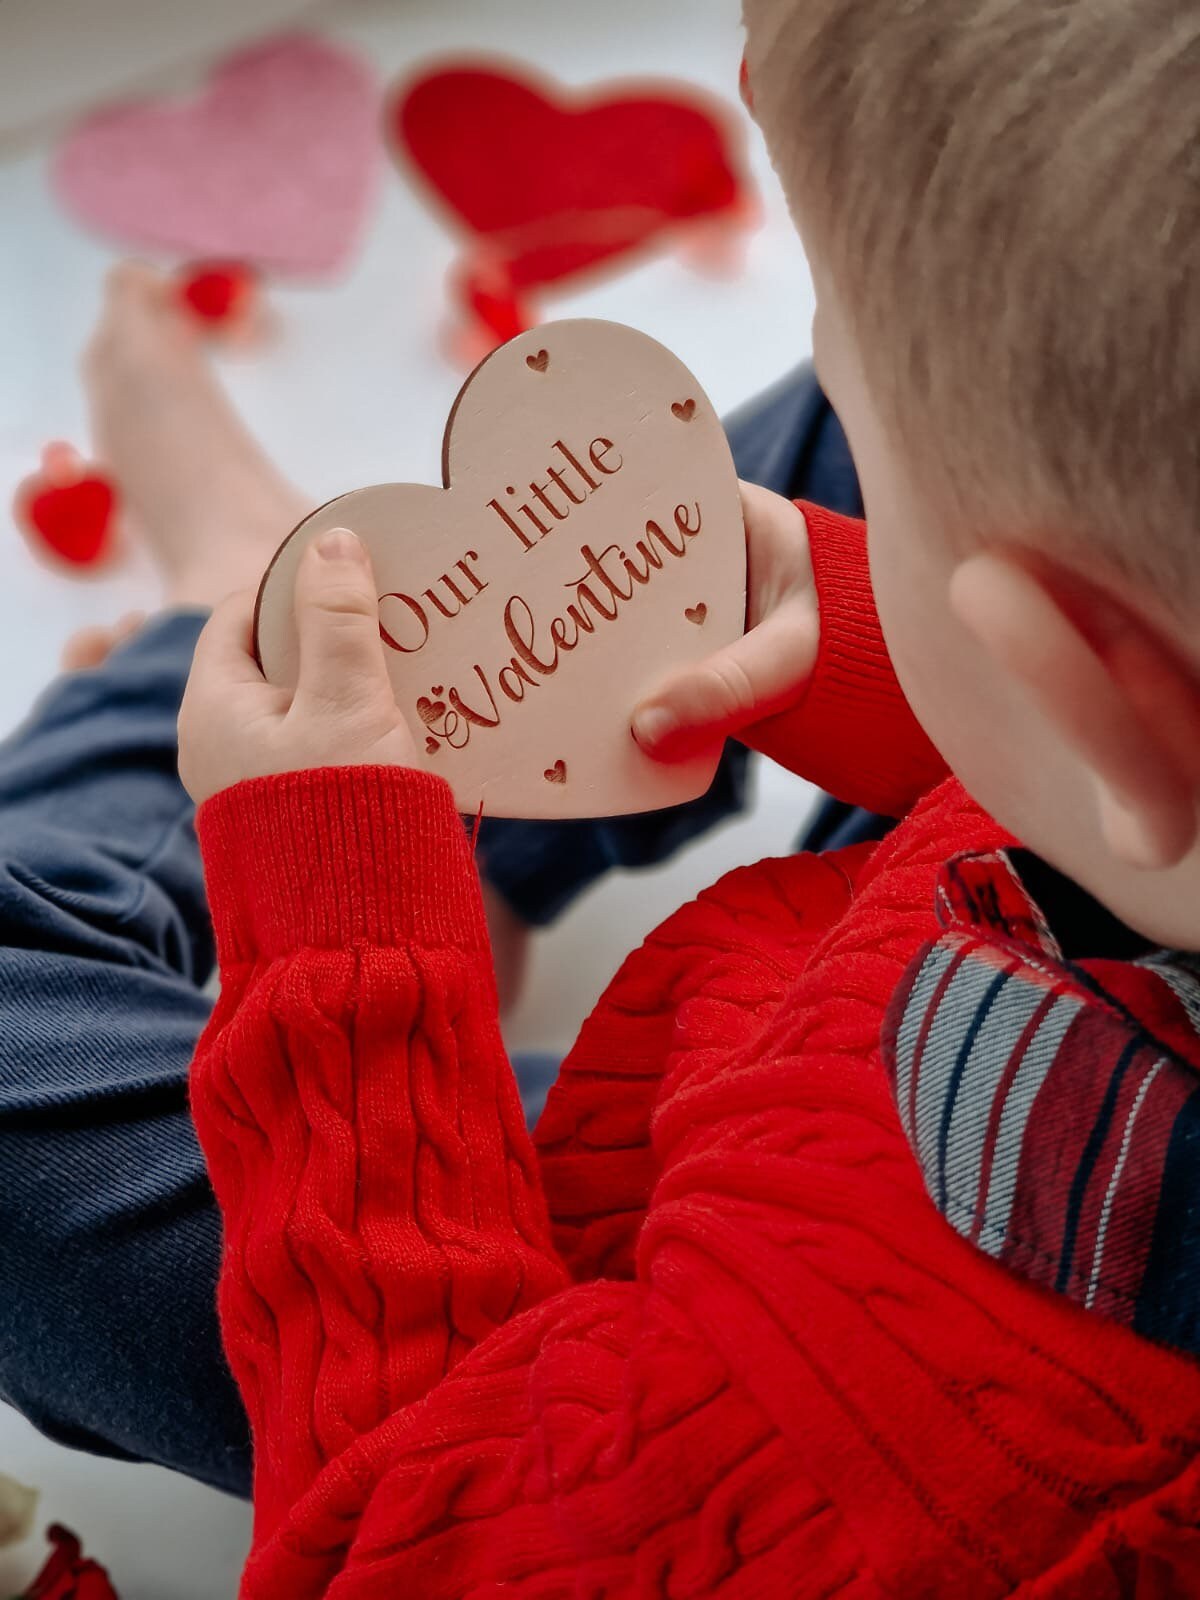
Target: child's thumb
<point>337,620</point>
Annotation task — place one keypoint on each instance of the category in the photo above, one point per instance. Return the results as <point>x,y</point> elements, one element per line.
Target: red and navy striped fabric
<point>1052,1099</point>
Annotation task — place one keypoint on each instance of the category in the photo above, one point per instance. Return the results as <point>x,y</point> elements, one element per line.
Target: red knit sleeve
<point>362,1126</point>
<point>854,732</point>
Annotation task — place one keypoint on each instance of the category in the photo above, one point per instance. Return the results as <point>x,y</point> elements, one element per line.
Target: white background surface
<point>355,392</point>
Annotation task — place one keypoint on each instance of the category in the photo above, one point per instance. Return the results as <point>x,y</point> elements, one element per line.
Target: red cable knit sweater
<point>711,1339</point>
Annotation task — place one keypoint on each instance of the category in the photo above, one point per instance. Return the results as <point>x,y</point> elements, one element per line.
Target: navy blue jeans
<point>108,1230</point>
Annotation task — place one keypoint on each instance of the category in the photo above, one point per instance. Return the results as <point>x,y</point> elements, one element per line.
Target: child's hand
<point>749,687</point>
<point>234,725</point>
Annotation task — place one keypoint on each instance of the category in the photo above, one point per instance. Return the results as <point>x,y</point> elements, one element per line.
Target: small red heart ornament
<point>74,522</point>
<point>68,1574</point>
<point>218,292</point>
<point>529,605</point>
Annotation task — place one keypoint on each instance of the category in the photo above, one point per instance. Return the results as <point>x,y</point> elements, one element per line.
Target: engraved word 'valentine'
<point>610,580</point>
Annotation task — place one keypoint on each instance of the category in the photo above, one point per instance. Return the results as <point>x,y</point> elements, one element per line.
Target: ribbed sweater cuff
<point>869,747</point>
<point>338,856</point>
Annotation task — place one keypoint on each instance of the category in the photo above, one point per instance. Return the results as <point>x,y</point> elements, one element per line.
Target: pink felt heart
<point>273,162</point>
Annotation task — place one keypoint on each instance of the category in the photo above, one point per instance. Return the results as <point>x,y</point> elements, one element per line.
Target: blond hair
<point>1007,193</point>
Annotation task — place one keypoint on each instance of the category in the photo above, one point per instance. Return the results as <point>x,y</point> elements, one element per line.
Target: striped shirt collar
<point>1046,1067</point>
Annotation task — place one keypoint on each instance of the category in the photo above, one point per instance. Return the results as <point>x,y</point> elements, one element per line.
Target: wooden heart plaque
<point>588,540</point>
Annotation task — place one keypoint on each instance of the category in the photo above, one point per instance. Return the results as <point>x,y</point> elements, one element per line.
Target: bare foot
<point>199,491</point>
<point>197,488</point>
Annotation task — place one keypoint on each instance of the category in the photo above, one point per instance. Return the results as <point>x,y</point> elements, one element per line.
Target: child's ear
<point>1112,687</point>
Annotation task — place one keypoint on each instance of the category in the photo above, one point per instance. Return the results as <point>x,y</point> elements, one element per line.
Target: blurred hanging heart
<point>548,184</point>
<point>272,163</point>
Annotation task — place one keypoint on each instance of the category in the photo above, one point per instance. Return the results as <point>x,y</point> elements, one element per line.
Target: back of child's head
<point>1007,196</point>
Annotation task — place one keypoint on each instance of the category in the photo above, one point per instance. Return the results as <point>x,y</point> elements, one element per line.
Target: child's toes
<point>91,647</point>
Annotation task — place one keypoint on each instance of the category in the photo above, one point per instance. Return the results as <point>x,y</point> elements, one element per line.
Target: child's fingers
<point>224,704</point>
<point>224,653</point>
<point>751,679</point>
<point>337,619</point>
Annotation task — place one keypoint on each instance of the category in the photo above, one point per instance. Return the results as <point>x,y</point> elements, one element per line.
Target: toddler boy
<point>860,1253</point>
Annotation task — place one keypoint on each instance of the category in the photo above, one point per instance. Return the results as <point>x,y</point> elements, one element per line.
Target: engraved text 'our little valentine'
<point>609,578</point>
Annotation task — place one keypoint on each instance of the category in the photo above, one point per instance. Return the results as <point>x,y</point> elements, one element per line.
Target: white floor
<point>355,392</point>
<point>160,1536</point>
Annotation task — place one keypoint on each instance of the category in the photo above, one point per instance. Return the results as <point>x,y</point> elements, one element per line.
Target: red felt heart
<point>548,184</point>
<point>73,521</point>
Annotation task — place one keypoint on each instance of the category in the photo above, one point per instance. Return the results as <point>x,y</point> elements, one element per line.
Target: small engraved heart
<point>685,410</point>
<point>539,362</point>
<point>432,746</point>
<point>430,711</point>
<point>697,614</point>
<point>557,773</point>
<point>437,689</point>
